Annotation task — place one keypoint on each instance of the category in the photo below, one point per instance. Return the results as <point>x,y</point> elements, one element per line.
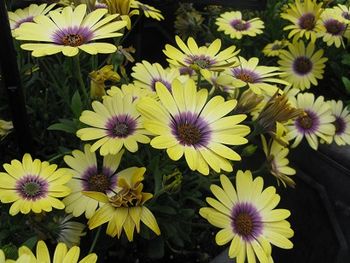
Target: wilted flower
<point>5,128</point>
<point>277,109</point>
<point>98,79</point>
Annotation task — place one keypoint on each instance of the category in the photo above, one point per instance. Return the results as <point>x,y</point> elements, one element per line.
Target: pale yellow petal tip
<point>96,195</point>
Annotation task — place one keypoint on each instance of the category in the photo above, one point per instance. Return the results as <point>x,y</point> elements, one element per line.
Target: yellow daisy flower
<point>273,49</point>
<point>69,30</point>
<point>223,81</point>
<point>87,176</point>
<point>317,121</point>
<point>135,91</point>
<point>233,25</point>
<point>126,208</point>
<point>302,65</point>
<point>114,123</point>
<point>200,58</point>
<point>61,255</point>
<point>258,78</point>
<point>276,155</point>
<point>344,12</point>
<point>121,7</point>
<point>341,123</point>
<point>33,185</point>
<point>305,19</point>
<point>248,218</point>
<point>66,230</point>
<point>333,28</point>
<point>27,14</point>
<point>146,75</point>
<point>185,123</point>
<point>149,11</point>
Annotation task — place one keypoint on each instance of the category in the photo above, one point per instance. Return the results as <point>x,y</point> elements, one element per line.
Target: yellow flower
<point>305,19</point>
<point>185,123</point>
<point>233,25</point>
<point>260,79</point>
<point>344,12</point>
<point>126,209</point>
<point>89,176</point>
<point>130,89</point>
<point>200,58</point>
<point>333,28</point>
<point>149,11</point>
<point>248,218</point>
<point>146,75</point>
<point>61,255</point>
<point>341,123</point>
<point>115,124</point>
<point>276,155</point>
<point>302,65</point>
<point>69,31</point>
<point>316,122</point>
<point>273,49</point>
<point>27,14</point>
<point>98,79</point>
<point>121,7</point>
<point>32,185</point>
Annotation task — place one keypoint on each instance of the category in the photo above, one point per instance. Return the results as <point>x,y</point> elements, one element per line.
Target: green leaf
<point>31,242</point>
<point>76,104</point>
<point>65,125</point>
<point>346,59</point>
<point>346,83</point>
<point>168,210</point>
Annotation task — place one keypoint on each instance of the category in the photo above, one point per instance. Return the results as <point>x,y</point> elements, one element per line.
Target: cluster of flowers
<point>171,109</point>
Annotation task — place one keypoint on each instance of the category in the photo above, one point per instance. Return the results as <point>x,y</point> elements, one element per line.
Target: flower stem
<point>95,240</point>
<point>79,77</point>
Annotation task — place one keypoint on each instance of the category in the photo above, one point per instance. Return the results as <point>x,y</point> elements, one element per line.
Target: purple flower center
<point>190,129</point>
<point>121,126</point>
<point>246,221</point>
<point>20,22</point>
<point>302,65</point>
<point>99,182</point>
<point>200,61</point>
<point>307,123</point>
<point>164,82</point>
<point>32,187</point>
<point>72,36</point>
<point>307,21</point>
<point>186,71</point>
<point>340,125</point>
<point>240,25</point>
<point>246,75</point>
<point>334,27</point>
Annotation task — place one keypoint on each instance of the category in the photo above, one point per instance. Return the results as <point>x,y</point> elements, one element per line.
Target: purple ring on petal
<point>72,36</point>
<point>121,126</point>
<point>246,75</point>
<point>190,129</point>
<point>246,221</point>
<point>164,82</point>
<point>32,187</point>
<point>340,125</point>
<point>201,61</point>
<point>20,22</point>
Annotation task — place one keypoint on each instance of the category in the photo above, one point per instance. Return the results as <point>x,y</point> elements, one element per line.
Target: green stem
<point>95,240</point>
<point>79,78</point>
